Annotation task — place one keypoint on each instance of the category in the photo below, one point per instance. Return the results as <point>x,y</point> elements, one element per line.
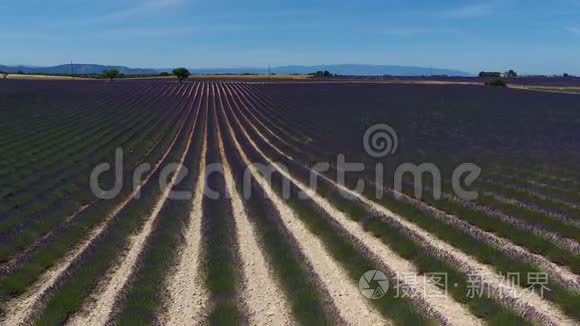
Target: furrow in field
<point>561,176</point>
<point>60,105</point>
<point>438,306</point>
<point>170,90</point>
<point>143,299</point>
<point>242,108</point>
<point>562,274</point>
<point>531,207</point>
<point>547,201</point>
<point>261,293</point>
<point>564,243</point>
<point>85,128</point>
<point>186,297</point>
<point>557,240</point>
<point>105,295</point>
<point>20,309</point>
<point>19,257</point>
<point>221,261</point>
<point>530,305</point>
<point>301,288</point>
<point>66,125</point>
<point>535,189</point>
<point>268,104</point>
<point>273,118</point>
<point>248,98</point>
<point>344,295</point>
<point>308,131</point>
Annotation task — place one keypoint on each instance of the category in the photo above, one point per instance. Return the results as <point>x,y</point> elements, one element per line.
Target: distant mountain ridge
<point>341,69</point>
<point>77,69</point>
<point>372,70</point>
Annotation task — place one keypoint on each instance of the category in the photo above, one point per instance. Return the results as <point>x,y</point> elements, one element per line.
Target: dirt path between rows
<point>351,305</point>
<point>439,304</point>
<point>99,311</point>
<point>529,304</point>
<point>261,294</point>
<point>186,296</point>
<point>561,274</point>
<point>19,310</point>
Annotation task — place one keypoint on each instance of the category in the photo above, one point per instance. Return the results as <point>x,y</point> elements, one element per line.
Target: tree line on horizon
<point>181,74</point>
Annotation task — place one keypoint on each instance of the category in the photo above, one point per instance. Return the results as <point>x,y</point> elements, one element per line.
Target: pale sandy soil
<point>186,298</point>
<point>549,214</point>
<point>563,243</point>
<point>550,89</point>
<point>280,138</point>
<point>279,151</point>
<point>262,296</point>
<point>562,274</point>
<point>529,304</point>
<point>20,309</point>
<point>105,296</point>
<point>345,296</point>
<point>438,304</point>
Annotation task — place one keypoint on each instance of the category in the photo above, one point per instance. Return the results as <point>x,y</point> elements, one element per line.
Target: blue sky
<point>530,36</point>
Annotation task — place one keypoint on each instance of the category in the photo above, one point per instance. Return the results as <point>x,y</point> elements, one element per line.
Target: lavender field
<point>253,240</point>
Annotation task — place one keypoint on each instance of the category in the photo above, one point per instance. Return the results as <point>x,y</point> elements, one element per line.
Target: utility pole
<point>72,70</point>
<point>269,72</point>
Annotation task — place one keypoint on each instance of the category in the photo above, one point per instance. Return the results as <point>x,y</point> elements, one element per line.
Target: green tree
<point>181,73</point>
<point>511,74</point>
<point>321,73</point>
<point>111,74</point>
<point>4,74</point>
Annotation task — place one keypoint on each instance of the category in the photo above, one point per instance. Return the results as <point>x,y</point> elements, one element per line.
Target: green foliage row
<point>287,261</point>
<point>144,295</point>
<point>86,272</point>
<point>76,194</point>
<point>486,254</point>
